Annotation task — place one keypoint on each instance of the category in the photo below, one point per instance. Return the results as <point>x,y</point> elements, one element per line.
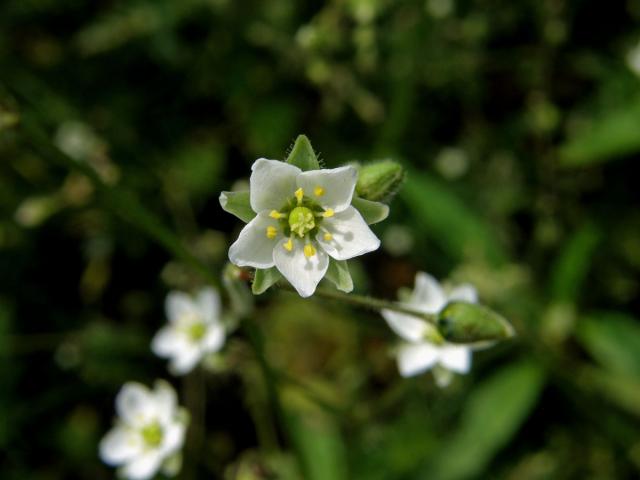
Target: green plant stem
<point>367,302</point>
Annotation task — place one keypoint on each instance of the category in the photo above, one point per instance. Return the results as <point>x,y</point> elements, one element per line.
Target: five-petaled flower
<point>150,429</point>
<point>194,329</point>
<point>422,347</point>
<point>303,218</point>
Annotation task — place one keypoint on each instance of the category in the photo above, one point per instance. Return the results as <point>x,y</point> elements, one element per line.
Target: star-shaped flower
<point>149,431</point>
<point>194,329</point>
<point>302,222</point>
<point>422,346</point>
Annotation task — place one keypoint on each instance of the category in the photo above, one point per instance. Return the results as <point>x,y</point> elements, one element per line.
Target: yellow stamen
<point>299,193</point>
<point>289,245</point>
<point>328,213</point>
<point>328,237</point>
<point>276,214</point>
<point>318,191</point>
<point>272,232</point>
<point>309,250</point>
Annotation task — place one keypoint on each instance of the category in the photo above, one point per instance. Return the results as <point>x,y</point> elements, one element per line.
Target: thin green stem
<point>367,302</point>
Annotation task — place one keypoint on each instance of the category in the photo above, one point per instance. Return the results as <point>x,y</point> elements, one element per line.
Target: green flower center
<point>152,434</point>
<point>301,221</point>
<point>196,331</point>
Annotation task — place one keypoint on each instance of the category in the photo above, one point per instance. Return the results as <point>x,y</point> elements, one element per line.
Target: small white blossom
<point>148,432</point>
<point>303,218</point>
<point>193,331</point>
<point>418,351</point>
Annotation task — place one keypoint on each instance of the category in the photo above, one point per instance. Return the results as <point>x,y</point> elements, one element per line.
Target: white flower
<point>303,218</point>
<point>147,433</point>
<point>194,329</point>
<point>418,352</point>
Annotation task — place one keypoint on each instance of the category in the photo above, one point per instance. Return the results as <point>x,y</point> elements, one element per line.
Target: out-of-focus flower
<point>149,431</point>
<point>633,59</point>
<point>195,329</point>
<point>422,347</point>
<point>303,218</point>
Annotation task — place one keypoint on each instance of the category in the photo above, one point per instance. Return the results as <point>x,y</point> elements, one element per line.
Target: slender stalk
<point>367,302</point>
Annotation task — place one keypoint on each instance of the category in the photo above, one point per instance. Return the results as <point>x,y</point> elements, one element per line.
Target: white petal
<point>135,404</point>
<point>463,293</point>
<point>408,327</point>
<point>456,358</point>
<point>173,438</point>
<point>183,362</point>
<point>209,302</point>
<point>351,236</point>
<point>214,338</point>
<point>165,399</point>
<point>428,295</point>
<point>302,272</point>
<point>179,304</point>
<point>253,248</point>
<point>120,445</point>
<point>337,185</point>
<point>168,341</point>
<point>271,183</point>
<point>143,467</point>
<point>416,358</point>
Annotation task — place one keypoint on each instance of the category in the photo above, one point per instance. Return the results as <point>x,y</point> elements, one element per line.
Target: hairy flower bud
<point>379,181</point>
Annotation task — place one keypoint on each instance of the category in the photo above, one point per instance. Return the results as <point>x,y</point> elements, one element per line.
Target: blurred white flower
<point>422,347</point>
<point>148,433</point>
<point>195,329</point>
<point>633,59</point>
<point>302,219</point>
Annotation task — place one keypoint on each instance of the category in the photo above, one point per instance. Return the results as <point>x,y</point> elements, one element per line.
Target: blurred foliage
<point>518,125</point>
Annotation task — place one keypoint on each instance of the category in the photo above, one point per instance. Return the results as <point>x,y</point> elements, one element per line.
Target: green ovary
<point>196,331</point>
<point>152,434</point>
<point>301,221</point>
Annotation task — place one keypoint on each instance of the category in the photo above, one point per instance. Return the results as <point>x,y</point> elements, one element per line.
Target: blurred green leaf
<point>613,339</point>
<point>571,267</point>
<point>302,155</point>
<point>610,135</point>
<point>493,414</point>
<point>372,212</point>
<point>447,220</point>
<point>338,273</point>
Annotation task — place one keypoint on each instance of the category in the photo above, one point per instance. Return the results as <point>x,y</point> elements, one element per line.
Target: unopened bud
<point>461,322</point>
<point>379,181</point>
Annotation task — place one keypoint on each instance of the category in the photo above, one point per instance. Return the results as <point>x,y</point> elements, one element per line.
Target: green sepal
<point>263,279</point>
<point>372,212</point>
<point>379,181</point>
<point>469,323</point>
<point>338,274</point>
<point>302,155</point>
<point>238,204</point>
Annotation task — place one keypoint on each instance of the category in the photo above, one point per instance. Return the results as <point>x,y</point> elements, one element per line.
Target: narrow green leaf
<point>264,279</point>
<point>440,215</point>
<point>461,322</point>
<point>613,340</point>
<point>237,203</point>
<point>302,155</point>
<point>372,212</point>
<point>338,273</point>
<point>610,136</point>
<point>572,266</point>
<point>493,414</point>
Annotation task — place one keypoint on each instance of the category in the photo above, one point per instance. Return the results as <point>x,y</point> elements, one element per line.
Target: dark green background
<point>519,124</point>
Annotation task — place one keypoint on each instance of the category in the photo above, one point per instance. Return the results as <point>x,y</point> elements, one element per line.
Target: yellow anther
<point>309,250</point>
<point>272,232</point>
<point>276,214</point>
<point>299,193</point>
<point>318,191</point>
<point>328,213</point>
<point>288,246</point>
<point>327,237</point>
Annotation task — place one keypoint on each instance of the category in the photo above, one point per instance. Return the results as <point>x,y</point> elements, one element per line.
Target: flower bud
<point>461,322</point>
<point>379,181</point>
